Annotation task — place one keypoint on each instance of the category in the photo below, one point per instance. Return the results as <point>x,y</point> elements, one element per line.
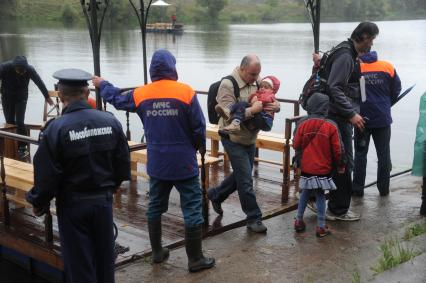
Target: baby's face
<point>265,85</point>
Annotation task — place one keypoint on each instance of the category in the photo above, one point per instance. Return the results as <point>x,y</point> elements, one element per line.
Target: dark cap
<point>72,77</point>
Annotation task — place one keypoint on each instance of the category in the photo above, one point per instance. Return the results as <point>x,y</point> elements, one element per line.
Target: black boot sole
<point>203,266</point>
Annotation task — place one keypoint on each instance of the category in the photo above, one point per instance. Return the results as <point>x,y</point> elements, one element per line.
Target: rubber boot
<point>423,207</point>
<point>196,259</point>
<point>159,254</point>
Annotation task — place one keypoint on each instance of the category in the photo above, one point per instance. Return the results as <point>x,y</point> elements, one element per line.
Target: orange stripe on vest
<point>163,89</point>
<point>378,66</point>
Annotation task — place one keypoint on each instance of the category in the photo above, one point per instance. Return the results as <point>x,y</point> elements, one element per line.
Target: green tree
<point>213,7</point>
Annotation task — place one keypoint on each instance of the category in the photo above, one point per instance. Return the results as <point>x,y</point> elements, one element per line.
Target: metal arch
<point>313,8</point>
<point>95,31</point>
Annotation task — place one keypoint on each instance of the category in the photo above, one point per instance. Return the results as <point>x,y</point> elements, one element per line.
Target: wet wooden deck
<point>130,206</point>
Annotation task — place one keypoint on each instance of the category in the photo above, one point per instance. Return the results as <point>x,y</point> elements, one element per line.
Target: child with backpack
<point>268,87</point>
<point>319,146</point>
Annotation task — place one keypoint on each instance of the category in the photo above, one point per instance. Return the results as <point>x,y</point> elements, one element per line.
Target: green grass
<point>415,230</point>
<point>356,277</point>
<point>393,254</point>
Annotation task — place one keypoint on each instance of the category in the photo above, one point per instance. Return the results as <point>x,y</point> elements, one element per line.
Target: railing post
<point>5,201</point>
<point>128,135</point>
<point>286,162</point>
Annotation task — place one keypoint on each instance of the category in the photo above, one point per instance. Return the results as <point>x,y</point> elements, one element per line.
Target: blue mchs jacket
<point>83,151</point>
<point>172,117</point>
<point>383,86</point>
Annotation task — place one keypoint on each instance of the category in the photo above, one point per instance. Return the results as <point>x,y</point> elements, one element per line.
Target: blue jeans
<point>242,158</point>
<point>340,199</point>
<point>320,202</point>
<point>191,199</point>
<point>381,138</point>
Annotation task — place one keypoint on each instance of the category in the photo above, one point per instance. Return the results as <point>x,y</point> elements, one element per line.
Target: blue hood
<point>369,57</point>
<point>163,66</point>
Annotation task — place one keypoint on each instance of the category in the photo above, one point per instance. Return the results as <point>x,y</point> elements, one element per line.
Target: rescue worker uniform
<point>82,158</point>
<point>14,92</point>
<point>382,88</point>
<point>174,129</point>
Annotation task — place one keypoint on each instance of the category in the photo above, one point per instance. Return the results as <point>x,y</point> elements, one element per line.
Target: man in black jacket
<point>15,76</point>
<point>344,90</point>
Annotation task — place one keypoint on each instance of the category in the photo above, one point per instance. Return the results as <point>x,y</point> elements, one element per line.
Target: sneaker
<point>217,207</point>
<point>322,231</point>
<point>348,216</point>
<point>222,112</point>
<point>232,128</point>
<point>257,226</point>
<point>312,206</point>
<point>23,153</point>
<point>299,226</point>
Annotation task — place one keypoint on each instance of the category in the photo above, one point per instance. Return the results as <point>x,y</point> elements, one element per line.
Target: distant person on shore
<point>268,87</point>
<point>419,161</point>
<point>173,20</point>
<point>240,146</point>
<point>382,86</point>
<point>82,158</point>
<point>175,129</point>
<point>318,141</point>
<point>15,76</point>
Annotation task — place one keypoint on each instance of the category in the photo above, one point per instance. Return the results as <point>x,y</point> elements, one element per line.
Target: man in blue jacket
<point>15,76</point>
<point>382,89</point>
<point>175,129</point>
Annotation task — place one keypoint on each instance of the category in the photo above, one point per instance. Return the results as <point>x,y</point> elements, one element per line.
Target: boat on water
<point>175,28</point>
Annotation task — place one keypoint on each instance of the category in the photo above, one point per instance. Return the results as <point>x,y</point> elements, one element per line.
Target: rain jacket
<point>382,85</point>
<point>172,117</point>
<point>317,139</point>
<point>14,85</point>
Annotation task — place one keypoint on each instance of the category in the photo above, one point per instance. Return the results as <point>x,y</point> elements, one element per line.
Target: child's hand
<point>256,107</point>
<point>253,99</point>
<point>341,169</point>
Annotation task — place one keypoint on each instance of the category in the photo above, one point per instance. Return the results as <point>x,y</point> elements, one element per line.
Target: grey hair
<point>72,91</point>
<point>248,60</point>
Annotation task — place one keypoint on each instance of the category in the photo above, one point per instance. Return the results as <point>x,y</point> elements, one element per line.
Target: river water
<point>205,54</point>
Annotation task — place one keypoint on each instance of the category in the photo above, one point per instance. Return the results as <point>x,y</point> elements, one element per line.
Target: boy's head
<point>270,82</point>
<point>318,104</point>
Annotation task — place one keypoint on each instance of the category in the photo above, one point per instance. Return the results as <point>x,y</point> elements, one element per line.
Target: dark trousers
<point>87,244</point>
<point>241,180</point>
<point>340,199</point>
<point>14,113</point>
<point>381,138</point>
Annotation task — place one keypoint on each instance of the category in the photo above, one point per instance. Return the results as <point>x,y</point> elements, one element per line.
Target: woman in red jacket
<point>319,148</point>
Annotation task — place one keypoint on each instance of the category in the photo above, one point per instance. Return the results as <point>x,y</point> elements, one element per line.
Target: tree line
<point>234,11</point>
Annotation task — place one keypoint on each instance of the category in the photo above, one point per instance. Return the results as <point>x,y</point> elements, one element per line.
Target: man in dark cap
<point>15,76</point>
<point>175,129</point>
<point>82,158</point>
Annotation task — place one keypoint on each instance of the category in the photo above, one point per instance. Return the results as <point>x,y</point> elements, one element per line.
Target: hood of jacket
<point>163,66</point>
<point>369,57</point>
<point>317,105</point>
<point>20,61</point>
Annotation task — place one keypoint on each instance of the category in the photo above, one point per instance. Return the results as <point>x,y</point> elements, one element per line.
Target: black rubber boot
<point>423,207</point>
<point>196,259</point>
<point>159,254</point>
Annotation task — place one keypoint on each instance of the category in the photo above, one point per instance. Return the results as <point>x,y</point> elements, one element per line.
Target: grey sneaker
<point>222,112</point>
<point>257,226</point>
<point>232,128</point>
<point>348,216</point>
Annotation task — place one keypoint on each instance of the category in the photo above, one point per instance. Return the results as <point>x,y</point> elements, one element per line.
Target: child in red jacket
<point>319,146</point>
<point>268,87</point>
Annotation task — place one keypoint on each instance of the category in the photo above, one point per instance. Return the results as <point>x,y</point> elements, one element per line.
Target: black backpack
<point>211,98</point>
<point>317,82</point>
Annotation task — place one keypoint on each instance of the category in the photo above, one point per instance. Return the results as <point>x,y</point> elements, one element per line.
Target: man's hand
<point>272,106</point>
<point>256,107</point>
<point>202,150</point>
<point>317,59</point>
<point>358,121</point>
<point>96,81</point>
<point>49,100</point>
<point>39,211</point>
